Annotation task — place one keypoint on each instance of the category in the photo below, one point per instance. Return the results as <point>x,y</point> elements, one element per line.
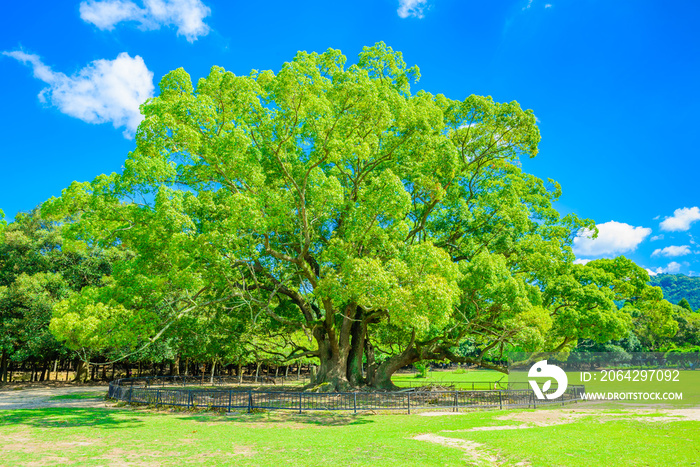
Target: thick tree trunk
<point>356,352</point>
<point>331,374</point>
<point>371,362</point>
<point>213,368</point>
<point>81,372</point>
<point>334,349</point>
<point>343,351</point>
<point>384,372</point>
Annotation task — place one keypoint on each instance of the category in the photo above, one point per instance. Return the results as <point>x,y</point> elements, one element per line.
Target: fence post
<point>250,401</point>
<point>456,408</point>
<point>131,389</point>
<point>354,402</point>
<point>189,399</point>
<point>500,400</point>
<point>300,402</point>
<point>409,402</point>
<point>534,400</point>
<point>229,400</point>
<point>157,397</point>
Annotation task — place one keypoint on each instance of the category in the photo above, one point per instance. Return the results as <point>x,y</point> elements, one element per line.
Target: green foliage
<point>683,303</point>
<point>677,287</point>
<point>331,201</point>
<point>422,368</point>
<point>38,269</point>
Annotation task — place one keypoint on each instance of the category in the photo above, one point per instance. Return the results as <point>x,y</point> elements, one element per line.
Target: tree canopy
<point>38,270</point>
<point>328,208</point>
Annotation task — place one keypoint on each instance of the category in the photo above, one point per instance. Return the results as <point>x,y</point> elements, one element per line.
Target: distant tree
<point>37,270</point>
<point>684,304</point>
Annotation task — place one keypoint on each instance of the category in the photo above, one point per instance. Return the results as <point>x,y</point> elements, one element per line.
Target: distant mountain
<point>677,286</point>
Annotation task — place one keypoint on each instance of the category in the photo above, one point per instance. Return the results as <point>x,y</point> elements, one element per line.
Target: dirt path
<point>43,397</point>
<point>471,449</point>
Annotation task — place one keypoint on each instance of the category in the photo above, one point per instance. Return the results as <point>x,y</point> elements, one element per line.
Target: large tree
<point>387,226</point>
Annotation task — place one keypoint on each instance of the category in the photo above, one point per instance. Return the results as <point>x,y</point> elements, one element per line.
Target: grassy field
<point>462,379</point>
<point>688,383</point>
<point>136,437</point>
<point>579,434</point>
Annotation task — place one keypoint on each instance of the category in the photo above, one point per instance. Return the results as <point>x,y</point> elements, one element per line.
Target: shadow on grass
<point>70,417</point>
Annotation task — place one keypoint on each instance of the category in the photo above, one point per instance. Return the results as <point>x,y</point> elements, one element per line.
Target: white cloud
<point>103,91</point>
<point>411,8</point>
<point>548,5</point>
<point>187,15</point>
<point>529,4</point>
<point>672,251</point>
<point>671,268</point>
<point>613,238</point>
<point>582,261</point>
<point>657,237</point>
<point>681,220</point>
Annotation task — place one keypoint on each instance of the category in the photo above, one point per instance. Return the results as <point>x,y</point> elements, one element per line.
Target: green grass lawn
<point>461,379</point>
<point>138,436</point>
<point>589,442</point>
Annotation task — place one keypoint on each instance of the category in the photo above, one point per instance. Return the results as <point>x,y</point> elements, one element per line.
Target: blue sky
<point>613,84</point>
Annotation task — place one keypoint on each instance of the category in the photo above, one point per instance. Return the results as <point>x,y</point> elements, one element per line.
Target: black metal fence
<point>147,391</point>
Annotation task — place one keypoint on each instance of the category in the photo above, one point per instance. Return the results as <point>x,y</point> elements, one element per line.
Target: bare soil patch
<point>40,397</point>
<point>471,449</point>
